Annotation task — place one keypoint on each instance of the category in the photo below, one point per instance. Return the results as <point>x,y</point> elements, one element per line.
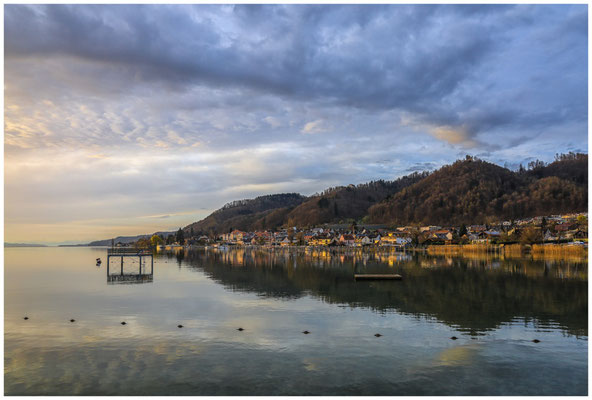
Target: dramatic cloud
<point>171,110</point>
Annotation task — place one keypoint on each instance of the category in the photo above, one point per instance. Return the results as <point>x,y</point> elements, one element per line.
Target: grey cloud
<point>422,166</point>
<point>411,64</point>
<point>417,59</point>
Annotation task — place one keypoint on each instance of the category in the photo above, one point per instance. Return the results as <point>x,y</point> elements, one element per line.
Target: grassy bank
<point>558,251</point>
<point>537,251</point>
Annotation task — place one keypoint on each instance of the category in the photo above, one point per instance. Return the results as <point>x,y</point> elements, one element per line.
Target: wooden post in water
<point>121,265</point>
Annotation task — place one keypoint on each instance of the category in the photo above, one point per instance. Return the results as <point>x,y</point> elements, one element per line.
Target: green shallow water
<point>495,308</point>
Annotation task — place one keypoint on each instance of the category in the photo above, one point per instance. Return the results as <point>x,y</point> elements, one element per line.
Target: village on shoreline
<point>570,230</point>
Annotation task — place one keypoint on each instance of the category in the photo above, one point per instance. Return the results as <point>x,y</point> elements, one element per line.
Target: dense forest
<point>475,191</point>
<point>466,192</point>
<point>347,203</point>
<point>572,167</point>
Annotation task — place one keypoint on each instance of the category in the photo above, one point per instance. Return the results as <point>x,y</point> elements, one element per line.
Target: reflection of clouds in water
<point>127,368</point>
<point>440,358</point>
<point>310,364</point>
<point>458,355</point>
<point>101,367</point>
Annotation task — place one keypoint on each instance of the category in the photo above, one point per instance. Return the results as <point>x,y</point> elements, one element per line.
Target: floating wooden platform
<point>377,277</point>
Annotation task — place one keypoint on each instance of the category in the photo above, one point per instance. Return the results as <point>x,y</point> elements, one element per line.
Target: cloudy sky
<point>131,119</point>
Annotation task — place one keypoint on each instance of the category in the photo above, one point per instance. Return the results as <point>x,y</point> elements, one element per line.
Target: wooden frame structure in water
<point>140,277</point>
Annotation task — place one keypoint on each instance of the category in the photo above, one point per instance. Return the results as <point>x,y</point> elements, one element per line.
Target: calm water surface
<point>496,308</point>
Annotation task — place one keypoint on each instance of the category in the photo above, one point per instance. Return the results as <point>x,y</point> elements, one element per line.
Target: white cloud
<point>317,126</point>
<point>273,121</point>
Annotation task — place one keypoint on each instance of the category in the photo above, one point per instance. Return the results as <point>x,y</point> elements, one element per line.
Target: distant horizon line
<point>428,170</point>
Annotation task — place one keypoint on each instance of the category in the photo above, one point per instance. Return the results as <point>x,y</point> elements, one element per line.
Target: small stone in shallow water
<point>240,329</point>
<point>306,332</point>
<point>377,335</point>
<point>123,323</point>
<point>26,318</point>
<point>72,320</point>
<point>454,338</point>
<point>536,341</point>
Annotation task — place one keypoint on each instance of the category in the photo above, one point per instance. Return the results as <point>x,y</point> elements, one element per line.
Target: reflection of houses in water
<point>333,257</point>
<point>132,266</point>
<point>447,293</point>
<point>292,258</point>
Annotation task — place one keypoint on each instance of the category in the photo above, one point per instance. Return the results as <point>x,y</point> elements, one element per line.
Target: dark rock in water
<point>240,329</point>
<point>454,338</point>
<point>377,335</point>
<point>306,332</point>
<point>179,326</point>
<point>123,323</point>
<point>72,320</point>
<point>26,318</point>
<point>536,341</point>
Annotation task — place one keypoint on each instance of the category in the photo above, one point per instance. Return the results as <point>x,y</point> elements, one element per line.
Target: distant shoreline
<point>24,245</point>
<point>46,245</point>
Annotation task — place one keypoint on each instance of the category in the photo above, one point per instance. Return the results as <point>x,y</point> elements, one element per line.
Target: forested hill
<point>334,205</point>
<point>475,191</point>
<point>345,203</point>
<point>572,167</point>
<point>468,191</point>
<point>263,212</point>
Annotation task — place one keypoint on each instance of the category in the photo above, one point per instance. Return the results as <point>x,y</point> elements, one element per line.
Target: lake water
<point>496,308</point>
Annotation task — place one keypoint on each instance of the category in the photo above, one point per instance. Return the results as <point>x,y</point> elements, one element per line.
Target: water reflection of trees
<point>473,295</point>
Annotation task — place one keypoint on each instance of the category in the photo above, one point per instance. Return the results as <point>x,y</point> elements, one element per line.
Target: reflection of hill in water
<point>474,296</point>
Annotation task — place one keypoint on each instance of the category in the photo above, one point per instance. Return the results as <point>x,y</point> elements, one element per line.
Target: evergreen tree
<point>462,231</point>
<point>180,236</point>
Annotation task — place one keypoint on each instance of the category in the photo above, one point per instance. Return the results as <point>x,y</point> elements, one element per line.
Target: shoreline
<point>555,252</point>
